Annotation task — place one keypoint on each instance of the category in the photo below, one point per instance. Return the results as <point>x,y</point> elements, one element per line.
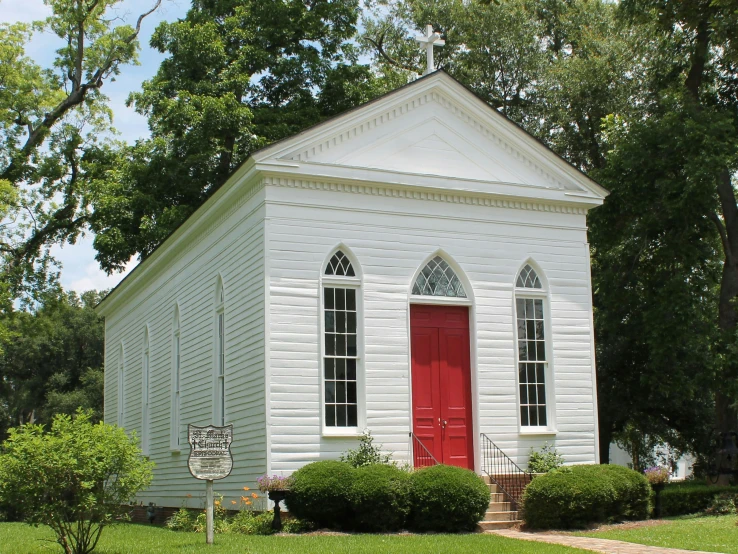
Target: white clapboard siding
<point>391,238</point>
<point>233,249</point>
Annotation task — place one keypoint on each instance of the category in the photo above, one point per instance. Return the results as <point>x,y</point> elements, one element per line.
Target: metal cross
<point>430,40</point>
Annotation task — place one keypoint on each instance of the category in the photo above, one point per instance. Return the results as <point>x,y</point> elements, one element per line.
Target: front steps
<point>500,514</point>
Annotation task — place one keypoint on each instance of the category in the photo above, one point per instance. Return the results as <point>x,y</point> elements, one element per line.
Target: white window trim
<point>175,444</point>
<point>219,409</point>
<point>333,281</point>
<point>541,294</point>
<point>145,392</point>
<point>121,386</point>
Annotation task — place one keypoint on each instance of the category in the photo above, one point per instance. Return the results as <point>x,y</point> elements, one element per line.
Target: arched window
<point>341,289</point>
<point>176,439</point>
<point>145,395</point>
<point>530,306</point>
<point>219,412</point>
<point>340,265</point>
<point>121,387</point>
<point>437,278</point>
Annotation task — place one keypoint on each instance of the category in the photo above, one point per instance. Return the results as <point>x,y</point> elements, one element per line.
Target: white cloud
<point>80,272</point>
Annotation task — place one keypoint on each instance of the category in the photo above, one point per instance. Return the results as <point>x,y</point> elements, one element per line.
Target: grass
<point>18,538</point>
<point>714,534</point>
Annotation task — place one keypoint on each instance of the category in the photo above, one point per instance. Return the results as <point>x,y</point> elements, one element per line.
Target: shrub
<point>723,504</point>
<point>380,498</point>
<point>248,522</point>
<point>75,478</point>
<point>182,520</point>
<point>544,461</point>
<point>447,498</point>
<point>690,497</point>
<point>367,454</point>
<point>572,497</point>
<point>319,494</point>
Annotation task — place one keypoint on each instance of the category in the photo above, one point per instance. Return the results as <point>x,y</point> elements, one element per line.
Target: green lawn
<point>18,538</point>
<point>714,534</point>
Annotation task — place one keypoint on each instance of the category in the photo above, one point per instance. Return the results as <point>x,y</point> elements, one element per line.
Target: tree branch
<point>379,47</point>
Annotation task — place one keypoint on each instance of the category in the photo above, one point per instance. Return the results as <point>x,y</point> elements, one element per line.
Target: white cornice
<point>421,193</point>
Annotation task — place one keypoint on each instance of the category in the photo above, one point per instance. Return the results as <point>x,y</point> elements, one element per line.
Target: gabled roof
<point>437,129</point>
<point>432,134</point>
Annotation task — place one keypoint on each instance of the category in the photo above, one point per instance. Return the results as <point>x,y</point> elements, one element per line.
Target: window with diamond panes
<point>531,361</point>
<point>340,266</point>
<point>438,279</point>
<point>341,355</point>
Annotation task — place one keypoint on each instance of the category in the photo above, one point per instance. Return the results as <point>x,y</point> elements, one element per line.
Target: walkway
<point>606,546</point>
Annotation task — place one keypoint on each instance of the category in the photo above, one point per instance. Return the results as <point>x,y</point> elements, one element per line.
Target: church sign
<point>210,451</point>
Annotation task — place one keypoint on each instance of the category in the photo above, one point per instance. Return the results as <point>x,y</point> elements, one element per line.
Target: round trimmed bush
<point>319,494</point>
<point>380,498</point>
<point>447,498</point>
<point>573,497</point>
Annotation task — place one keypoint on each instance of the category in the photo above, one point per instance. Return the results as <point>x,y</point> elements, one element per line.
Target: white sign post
<point>210,459</point>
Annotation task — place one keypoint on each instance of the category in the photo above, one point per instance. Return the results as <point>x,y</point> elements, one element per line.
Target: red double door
<point>441,382</point>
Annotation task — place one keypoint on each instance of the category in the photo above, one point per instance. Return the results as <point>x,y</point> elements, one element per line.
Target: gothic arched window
<point>341,289</point>
<point>437,278</point>
<point>530,306</point>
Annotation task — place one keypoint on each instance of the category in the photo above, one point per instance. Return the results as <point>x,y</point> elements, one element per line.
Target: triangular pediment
<point>434,128</point>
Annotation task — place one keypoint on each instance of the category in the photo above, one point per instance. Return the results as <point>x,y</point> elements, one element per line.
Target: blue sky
<point>80,271</point>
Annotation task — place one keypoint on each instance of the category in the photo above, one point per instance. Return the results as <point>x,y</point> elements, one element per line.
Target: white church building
<point>417,267</point>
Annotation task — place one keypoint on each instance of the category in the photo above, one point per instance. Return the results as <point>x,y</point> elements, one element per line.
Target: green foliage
<point>691,497</point>
<point>319,494</point>
<point>55,124</point>
<point>544,461</point>
<point>296,526</point>
<point>237,76</point>
<point>367,453</point>
<point>380,498</point>
<point>182,520</point>
<point>723,504</point>
<point>75,477</point>
<point>248,522</point>
<point>573,497</point>
<point>54,364</point>
<point>447,499</point>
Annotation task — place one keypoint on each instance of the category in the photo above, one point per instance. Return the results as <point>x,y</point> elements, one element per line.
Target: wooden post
<point>209,511</point>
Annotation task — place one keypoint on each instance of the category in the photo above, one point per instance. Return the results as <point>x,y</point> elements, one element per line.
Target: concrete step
<point>494,525</point>
<point>497,497</point>
<point>501,516</point>
<point>493,487</point>
<point>499,507</point>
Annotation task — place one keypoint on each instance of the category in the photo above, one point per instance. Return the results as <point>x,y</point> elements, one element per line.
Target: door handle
<point>445,423</point>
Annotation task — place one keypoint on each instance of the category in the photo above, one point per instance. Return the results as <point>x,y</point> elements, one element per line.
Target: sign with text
<point>210,451</point>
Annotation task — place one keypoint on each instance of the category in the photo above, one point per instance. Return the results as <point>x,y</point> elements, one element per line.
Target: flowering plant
<point>657,475</point>
<point>274,483</point>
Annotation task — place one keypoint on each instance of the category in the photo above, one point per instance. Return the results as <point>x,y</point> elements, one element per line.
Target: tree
<point>696,98</point>
<point>76,477</point>
<point>53,128</point>
<point>239,74</point>
<point>54,364</point>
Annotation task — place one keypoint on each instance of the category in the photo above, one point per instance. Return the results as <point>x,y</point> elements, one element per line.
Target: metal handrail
<point>422,457</point>
<point>503,471</point>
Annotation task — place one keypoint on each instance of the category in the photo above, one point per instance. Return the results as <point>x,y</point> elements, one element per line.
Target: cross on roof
<point>430,39</point>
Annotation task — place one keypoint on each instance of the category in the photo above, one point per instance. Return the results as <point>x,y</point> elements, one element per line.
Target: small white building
<point>416,265</point>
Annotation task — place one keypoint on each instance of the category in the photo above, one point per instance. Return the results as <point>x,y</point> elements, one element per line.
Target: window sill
<point>345,432</point>
<point>541,431</point>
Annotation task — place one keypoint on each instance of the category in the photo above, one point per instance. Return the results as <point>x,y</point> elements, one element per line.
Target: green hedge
<point>690,497</point>
<point>447,498</point>
<point>319,494</point>
<point>573,497</point>
<point>380,498</point>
